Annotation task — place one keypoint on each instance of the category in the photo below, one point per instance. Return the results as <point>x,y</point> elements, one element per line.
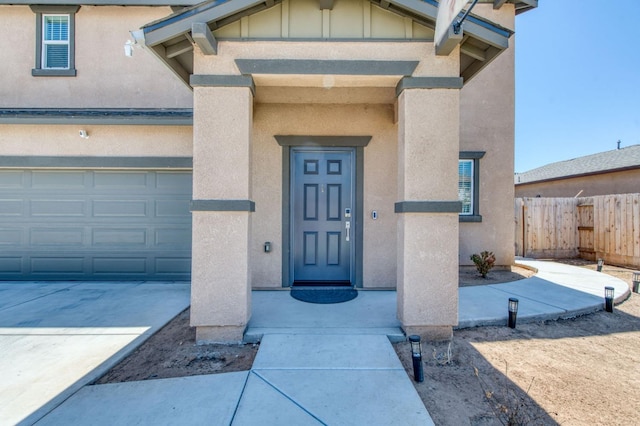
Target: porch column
<point>428,206</point>
<point>221,206</point>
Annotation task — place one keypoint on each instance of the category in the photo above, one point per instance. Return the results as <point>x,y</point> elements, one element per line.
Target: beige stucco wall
<point>105,76</point>
<point>380,189</point>
<point>623,182</point>
<point>487,123</point>
<point>117,141</point>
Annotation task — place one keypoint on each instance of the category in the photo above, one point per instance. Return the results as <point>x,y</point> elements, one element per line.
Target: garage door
<point>95,225</point>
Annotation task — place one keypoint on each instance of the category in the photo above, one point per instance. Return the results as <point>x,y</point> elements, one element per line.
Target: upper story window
<point>55,40</point>
<point>469,185</point>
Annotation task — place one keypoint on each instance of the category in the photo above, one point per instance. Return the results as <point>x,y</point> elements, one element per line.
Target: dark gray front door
<point>322,194</point>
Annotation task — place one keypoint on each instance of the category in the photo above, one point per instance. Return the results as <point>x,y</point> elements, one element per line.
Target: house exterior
<point>257,144</point>
<point>605,173</point>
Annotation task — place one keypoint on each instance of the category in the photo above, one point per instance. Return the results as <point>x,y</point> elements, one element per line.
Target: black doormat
<point>323,295</point>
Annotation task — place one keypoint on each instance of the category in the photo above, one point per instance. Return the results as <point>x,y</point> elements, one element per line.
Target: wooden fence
<point>605,227</point>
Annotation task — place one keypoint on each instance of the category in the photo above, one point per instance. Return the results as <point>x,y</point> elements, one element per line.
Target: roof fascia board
<point>44,162</point>
<point>181,23</point>
<point>331,67</point>
<point>578,175</point>
<point>106,117</point>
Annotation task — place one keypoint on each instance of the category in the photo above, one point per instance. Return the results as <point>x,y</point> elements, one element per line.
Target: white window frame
<point>45,42</point>
<point>41,69</point>
<point>466,197</point>
<point>474,158</point>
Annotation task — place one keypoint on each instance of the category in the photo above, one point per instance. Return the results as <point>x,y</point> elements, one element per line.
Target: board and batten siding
<point>95,225</point>
<point>357,19</point>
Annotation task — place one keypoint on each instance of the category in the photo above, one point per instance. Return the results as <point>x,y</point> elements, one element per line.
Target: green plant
<point>484,262</point>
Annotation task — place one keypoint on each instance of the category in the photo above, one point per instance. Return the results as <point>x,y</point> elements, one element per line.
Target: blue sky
<point>577,80</point>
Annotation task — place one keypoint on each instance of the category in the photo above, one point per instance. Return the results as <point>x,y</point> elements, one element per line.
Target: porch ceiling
<point>172,41</point>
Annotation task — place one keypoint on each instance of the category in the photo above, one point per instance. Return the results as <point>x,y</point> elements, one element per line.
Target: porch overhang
<point>172,39</point>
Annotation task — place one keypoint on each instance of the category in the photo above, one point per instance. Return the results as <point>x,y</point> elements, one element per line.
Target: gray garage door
<point>95,225</point>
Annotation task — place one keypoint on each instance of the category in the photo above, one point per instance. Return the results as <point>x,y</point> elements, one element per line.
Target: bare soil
<point>574,372</point>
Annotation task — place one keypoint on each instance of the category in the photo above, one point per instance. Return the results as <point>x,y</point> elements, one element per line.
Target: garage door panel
<point>53,207</point>
<point>57,237</point>
<point>11,237</point>
<point>172,265</point>
<point>172,208</point>
<point>11,265</point>
<point>166,181</point>
<point>95,225</point>
<point>57,265</point>
<point>12,179</point>
<point>120,208</point>
<point>126,238</point>
<point>56,180</point>
<point>119,265</point>
<point>11,207</point>
<point>178,238</point>
<point>120,180</point>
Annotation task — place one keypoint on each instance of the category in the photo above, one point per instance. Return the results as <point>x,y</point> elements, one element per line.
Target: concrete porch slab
<point>373,312</point>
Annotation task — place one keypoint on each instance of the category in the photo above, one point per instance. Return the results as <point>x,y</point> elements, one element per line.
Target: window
<point>55,40</point>
<point>465,185</point>
<point>468,185</point>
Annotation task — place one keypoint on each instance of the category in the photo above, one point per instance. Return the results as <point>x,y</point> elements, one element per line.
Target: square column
<point>428,145</point>
<point>221,208</point>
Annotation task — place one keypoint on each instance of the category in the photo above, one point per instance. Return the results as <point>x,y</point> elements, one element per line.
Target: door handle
<point>347,226</point>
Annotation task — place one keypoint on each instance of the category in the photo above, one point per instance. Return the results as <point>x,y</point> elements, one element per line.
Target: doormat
<point>323,295</point>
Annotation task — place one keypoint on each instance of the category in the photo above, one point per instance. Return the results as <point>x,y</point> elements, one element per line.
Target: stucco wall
<point>623,182</point>
<point>380,188</point>
<point>105,76</point>
<point>487,123</point>
<point>64,140</point>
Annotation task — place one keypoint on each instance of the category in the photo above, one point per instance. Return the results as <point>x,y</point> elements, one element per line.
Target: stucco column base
<point>225,334</point>
<point>430,333</point>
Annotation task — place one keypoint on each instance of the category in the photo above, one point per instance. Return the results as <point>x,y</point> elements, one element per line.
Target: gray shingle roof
<point>623,158</point>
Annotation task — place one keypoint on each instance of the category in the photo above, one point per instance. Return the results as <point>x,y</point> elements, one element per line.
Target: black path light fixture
<point>600,264</point>
<point>513,312</point>
<point>636,282</point>
<point>416,355</point>
<point>608,298</point>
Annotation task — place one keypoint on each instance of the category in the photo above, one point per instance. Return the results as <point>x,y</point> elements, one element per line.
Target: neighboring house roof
<point>603,162</point>
<point>123,116</point>
<point>170,38</point>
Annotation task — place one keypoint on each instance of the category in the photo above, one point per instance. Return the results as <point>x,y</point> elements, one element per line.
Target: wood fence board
<point>603,226</point>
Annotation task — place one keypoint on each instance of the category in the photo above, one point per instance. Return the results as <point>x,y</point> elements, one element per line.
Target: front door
<point>322,194</point>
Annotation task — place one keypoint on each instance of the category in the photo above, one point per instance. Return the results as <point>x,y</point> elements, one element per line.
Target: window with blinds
<point>465,185</point>
<point>55,41</point>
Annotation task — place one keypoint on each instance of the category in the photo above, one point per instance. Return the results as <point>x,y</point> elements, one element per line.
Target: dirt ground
<point>571,372</point>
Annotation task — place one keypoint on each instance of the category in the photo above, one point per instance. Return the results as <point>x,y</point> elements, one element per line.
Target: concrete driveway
<point>57,337</point>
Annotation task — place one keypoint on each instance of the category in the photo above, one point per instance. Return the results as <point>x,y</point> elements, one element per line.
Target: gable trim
<point>323,67</point>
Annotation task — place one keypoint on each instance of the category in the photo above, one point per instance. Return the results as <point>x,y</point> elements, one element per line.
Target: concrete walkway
<point>317,364</point>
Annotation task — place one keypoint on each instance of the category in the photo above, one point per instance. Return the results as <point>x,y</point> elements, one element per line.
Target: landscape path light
<point>416,355</point>
<point>608,298</point>
<point>513,311</point>
<point>600,264</point>
<point>636,282</point>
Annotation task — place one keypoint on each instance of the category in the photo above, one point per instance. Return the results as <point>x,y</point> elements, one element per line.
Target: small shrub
<point>484,262</point>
